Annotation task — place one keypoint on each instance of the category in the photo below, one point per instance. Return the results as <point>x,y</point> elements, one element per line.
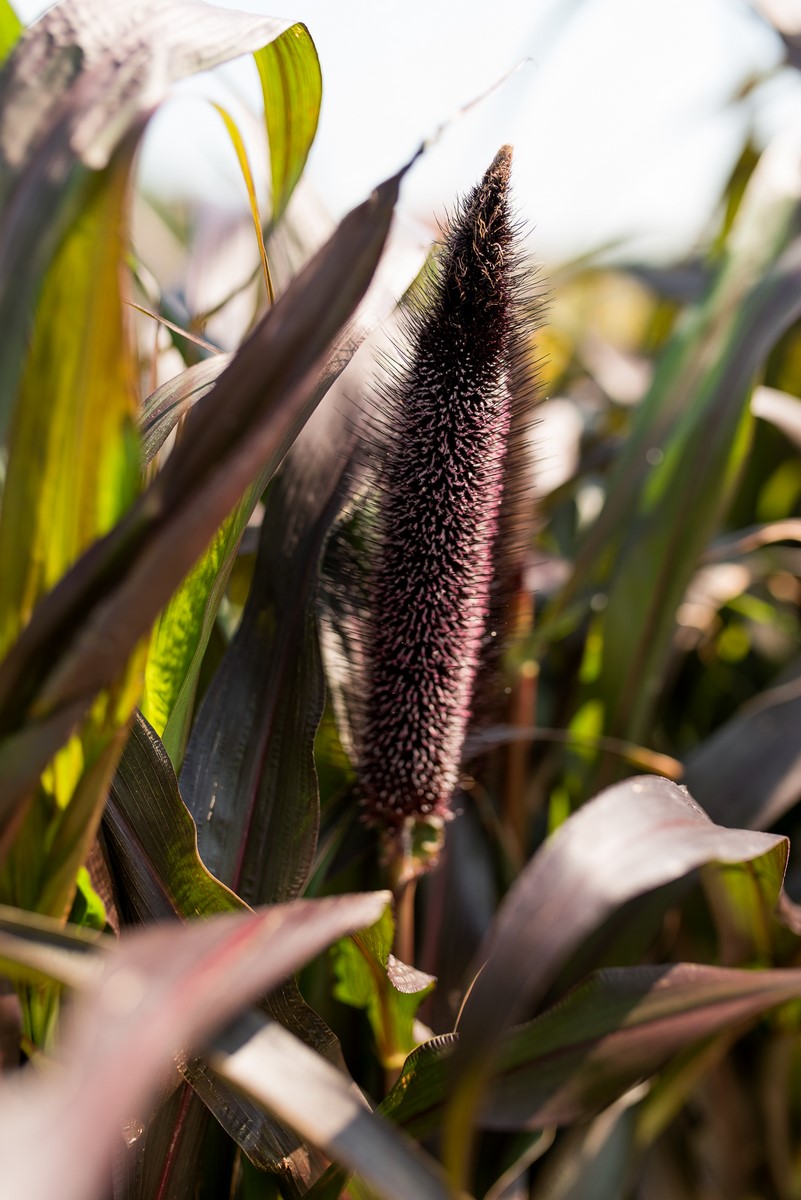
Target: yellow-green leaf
<point>74,458</point>
<point>292,86</point>
<point>181,634</point>
<point>10,29</point>
<point>73,471</point>
<point>247,175</point>
<point>368,976</point>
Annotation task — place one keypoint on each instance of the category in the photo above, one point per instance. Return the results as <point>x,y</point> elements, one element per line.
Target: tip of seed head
<point>501,165</point>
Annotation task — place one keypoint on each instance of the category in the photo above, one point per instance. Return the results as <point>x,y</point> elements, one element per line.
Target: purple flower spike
<point>441,478</point>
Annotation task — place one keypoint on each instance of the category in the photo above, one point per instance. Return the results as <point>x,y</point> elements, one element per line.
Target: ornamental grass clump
<point>441,467</point>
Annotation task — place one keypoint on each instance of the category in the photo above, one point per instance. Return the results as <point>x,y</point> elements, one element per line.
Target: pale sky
<point>623,122</point>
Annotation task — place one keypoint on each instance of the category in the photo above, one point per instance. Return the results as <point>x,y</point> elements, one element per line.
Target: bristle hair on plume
<point>439,466</point>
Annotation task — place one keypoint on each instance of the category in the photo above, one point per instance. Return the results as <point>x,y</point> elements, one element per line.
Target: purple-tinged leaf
<point>748,773</point>
<point>249,778</point>
<point>619,1027</point>
<point>147,1161</point>
<point>631,839</point>
<point>165,407</point>
<point>309,1094</point>
<point>156,993</point>
<point>151,842</point>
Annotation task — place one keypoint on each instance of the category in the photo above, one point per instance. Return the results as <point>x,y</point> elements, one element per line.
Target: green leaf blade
<point>291,82</point>
<point>11,29</point>
<point>368,976</point>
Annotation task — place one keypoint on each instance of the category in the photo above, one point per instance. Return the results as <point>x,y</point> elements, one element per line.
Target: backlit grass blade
<point>247,175</point>
<point>292,85</point>
<point>10,29</point>
<point>73,471</point>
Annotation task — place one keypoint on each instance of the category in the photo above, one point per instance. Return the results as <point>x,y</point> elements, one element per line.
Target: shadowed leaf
<point>629,840</point>
<point>616,1029</point>
<point>151,842</point>
<point>249,777</point>
<point>748,773</point>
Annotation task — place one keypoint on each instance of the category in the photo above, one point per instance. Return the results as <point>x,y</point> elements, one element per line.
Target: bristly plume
<point>441,467</point>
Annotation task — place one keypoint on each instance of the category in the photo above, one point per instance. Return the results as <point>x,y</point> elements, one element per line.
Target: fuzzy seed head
<point>441,482</point>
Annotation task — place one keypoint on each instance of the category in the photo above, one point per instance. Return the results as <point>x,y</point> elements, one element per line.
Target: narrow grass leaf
<point>247,175</point>
<point>249,778</point>
<point>11,29</point>
<point>292,86</point>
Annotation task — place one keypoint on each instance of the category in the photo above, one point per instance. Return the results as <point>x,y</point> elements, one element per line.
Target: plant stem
<point>404,886</point>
